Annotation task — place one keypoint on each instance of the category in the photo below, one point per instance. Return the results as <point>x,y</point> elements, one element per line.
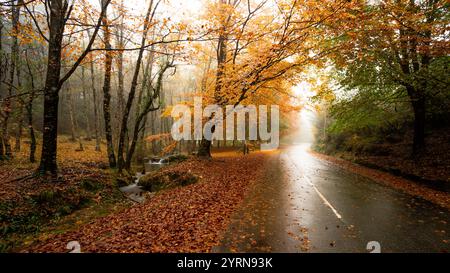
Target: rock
<point>121,182</point>
<point>157,181</point>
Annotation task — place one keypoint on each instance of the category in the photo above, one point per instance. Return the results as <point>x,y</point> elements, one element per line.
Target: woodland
<point>87,88</point>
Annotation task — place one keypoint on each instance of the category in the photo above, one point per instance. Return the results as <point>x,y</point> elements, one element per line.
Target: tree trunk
<point>154,131</point>
<point>20,116</point>
<point>2,151</point>
<point>204,149</point>
<point>120,43</point>
<point>419,126</point>
<point>131,95</point>
<point>1,56</point>
<point>96,118</point>
<point>418,104</point>
<point>31,129</point>
<point>49,143</point>
<point>144,109</point>
<point>107,96</point>
<point>19,131</point>
<point>7,106</point>
<point>29,109</point>
<point>142,147</point>
<point>73,137</point>
<point>74,123</point>
<point>86,104</point>
<point>48,162</point>
<point>58,12</point>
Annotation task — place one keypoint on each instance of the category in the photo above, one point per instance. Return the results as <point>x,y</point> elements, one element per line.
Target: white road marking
<point>325,201</point>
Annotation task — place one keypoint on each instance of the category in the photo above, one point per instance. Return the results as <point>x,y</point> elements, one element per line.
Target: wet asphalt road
<point>308,205</point>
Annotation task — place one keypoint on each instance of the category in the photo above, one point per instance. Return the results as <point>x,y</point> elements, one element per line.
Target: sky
<point>176,9</point>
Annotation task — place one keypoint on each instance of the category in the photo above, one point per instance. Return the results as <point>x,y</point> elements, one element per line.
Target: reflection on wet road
<point>309,205</point>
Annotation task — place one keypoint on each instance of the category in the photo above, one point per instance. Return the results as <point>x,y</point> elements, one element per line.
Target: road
<point>309,205</point>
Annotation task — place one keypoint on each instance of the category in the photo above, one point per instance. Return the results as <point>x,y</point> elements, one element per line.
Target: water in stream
<point>134,191</point>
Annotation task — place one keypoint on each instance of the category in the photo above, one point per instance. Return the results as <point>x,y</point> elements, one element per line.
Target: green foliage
<point>158,181</point>
<point>91,185</point>
<point>120,182</point>
<point>31,213</point>
<point>176,158</point>
<point>371,107</point>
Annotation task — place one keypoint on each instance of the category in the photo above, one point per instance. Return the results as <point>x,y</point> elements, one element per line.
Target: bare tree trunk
<point>2,151</point>
<point>2,68</point>
<point>86,103</point>
<point>204,149</point>
<point>96,117</point>
<point>418,105</point>
<point>20,116</point>
<point>73,120</point>
<point>107,95</point>
<point>141,142</point>
<point>19,132</point>
<point>131,95</point>
<point>146,108</point>
<point>51,90</point>
<point>154,132</point>
<point>1,56</point>
<point>141,129</point>
<point>7,106</point>
<point>146,85</point>
<point>29,109</point>
<point>419,126</point>
<point>73,137</point>
<point>120,66</point>
<point>32,135</point>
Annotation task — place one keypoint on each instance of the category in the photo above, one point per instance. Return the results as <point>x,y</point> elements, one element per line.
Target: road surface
<point>309,205</point>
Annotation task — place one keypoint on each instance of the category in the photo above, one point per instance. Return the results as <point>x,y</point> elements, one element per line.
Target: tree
<point>107,93</point>
<point>400,44</point>
<point>146,106</point>
<point>29,108</point>
<point>7,105</point>
<point>255,50</point>
<point>152,7</point>
<point>59,14</point>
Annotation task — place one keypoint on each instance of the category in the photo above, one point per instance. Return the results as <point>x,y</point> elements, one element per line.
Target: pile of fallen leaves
<point>438,197</point>
<point>187,219</point>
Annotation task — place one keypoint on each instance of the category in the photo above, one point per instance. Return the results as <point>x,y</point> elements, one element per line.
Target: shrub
<point>91,185</point>
<point>45,197</point>
<point>158,181</point>
<point>176,158</point>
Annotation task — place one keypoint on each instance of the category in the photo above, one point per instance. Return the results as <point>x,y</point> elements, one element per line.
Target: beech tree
<point>257,51</point>
<point>401,43</point>
<point>59,13</point>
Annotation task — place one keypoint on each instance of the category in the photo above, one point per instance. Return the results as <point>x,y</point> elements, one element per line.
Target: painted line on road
<point>323,198</point>
<point>325,201</point>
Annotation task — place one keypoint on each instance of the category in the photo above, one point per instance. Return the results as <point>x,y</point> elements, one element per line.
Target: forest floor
<point>29,207</point>
<point>38,216</point>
